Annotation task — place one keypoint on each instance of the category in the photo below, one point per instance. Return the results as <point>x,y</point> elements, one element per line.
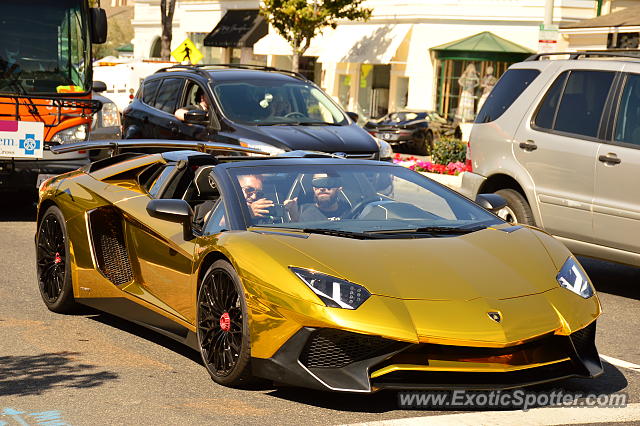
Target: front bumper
<point>329,359</point>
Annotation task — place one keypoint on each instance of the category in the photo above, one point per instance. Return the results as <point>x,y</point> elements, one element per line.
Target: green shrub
<point>448,150</point>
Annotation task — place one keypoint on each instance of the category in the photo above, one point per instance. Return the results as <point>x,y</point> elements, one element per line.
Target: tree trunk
<point>167,27</point>
<point>295,61</point>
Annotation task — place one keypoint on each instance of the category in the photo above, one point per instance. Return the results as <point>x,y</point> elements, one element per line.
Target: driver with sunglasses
<point>326,205</point>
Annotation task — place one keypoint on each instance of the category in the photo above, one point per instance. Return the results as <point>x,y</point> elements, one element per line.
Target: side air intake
<point>109,246</point>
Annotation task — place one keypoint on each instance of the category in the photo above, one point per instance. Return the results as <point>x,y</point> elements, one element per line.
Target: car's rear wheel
<point>517,209</point>
<point>223,331</point>
<point>52,262</point>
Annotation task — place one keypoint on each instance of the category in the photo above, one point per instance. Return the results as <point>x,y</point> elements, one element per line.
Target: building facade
<point>442,55</point>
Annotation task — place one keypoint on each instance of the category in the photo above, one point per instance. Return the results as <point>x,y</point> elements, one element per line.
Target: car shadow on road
<point>16,207</point>
<point>35,374</point>
<point>612,278</point>
<point>147,334</point>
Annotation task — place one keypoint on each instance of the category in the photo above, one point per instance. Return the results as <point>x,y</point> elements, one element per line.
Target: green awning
<point>482,46</point>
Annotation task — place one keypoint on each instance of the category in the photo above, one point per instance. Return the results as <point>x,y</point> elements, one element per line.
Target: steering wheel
<point>355,211</point>
<point>295,114</point>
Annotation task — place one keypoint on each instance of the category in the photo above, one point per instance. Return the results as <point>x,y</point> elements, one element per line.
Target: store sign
<point>548,38</point>
<point>21,139</point>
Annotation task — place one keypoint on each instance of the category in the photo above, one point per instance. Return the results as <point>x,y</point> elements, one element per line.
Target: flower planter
<point>453,182</point>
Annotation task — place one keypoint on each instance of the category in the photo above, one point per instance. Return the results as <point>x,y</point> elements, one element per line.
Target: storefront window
<point>211,55</point>
<point>344,90</point>
<point>402,93</point>
<point>463,86</point>
<point>373,90</point>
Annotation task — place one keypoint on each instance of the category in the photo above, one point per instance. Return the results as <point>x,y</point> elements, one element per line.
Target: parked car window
<point>149,91</point>
<point>628,121</point>
<point>547,112</point>
<point>168,95</point>
<point>582,102</point>
<point>509,87</point>
<point>149,176</point>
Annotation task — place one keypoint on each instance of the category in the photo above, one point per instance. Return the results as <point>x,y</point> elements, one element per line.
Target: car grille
<point>109,245</point>
<point>328,348</point>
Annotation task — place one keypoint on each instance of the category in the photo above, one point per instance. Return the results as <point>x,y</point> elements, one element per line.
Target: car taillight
<point>467,161</point>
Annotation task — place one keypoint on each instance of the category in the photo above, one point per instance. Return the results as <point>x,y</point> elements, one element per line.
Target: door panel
<point>559,147</point>
<point>164,257</point>
<point>616,209</point>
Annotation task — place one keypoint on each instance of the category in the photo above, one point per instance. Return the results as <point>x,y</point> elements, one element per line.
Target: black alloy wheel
<point>52,257</point>
<point>223,333</point>
<point>423,143</point>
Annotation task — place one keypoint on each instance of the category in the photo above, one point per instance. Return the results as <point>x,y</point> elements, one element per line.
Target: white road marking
<point>535,416</point>
<point>620,363</point>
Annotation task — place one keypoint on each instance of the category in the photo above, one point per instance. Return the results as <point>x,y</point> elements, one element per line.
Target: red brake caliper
<point>225,322</point>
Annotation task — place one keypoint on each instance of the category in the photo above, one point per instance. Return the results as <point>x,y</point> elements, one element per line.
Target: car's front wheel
<point>517,209</point>
<point>52,263</point>
<point>223,331</point>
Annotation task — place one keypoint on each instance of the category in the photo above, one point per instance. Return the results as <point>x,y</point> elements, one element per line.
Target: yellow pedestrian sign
<point>187,51</point>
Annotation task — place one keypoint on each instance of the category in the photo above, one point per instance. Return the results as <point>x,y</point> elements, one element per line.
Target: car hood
<point>349,138</point>
<point>485,264</point>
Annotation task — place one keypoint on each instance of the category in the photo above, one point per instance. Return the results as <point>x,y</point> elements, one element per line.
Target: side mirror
<point>353,115</point>
<point>98,86</point>
<point>492,202</point>
<point>98,25</point>
<point>175,211</point>
<point>196,117</point>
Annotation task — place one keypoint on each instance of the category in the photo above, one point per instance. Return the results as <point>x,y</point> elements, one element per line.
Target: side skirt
<point>131,311</point>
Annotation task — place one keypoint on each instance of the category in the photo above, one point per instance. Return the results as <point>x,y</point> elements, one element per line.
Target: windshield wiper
<point>339,233</point>
<point>431,230</point>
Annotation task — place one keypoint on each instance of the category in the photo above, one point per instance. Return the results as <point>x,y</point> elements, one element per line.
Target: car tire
<point>52,263</point>
<point>517,209</point>
<point>222,326</point>
<point>423,144</point>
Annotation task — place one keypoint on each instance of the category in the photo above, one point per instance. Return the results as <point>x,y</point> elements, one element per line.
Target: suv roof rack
<point>200,68</point>
<point>586,54</point>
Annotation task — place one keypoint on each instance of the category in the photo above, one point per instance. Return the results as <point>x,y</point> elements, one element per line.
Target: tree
<point>167,23</point>
<point>299,21</point>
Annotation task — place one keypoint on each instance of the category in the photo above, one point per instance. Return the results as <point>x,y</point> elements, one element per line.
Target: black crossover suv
<point>253,106</point>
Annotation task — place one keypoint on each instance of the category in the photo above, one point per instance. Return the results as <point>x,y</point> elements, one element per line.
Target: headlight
<point>269,149</point>
<point>572,277</point>
<point>110,115</point>
<point>385,149</point>
<point>334,292</point>
<point>72,134</point>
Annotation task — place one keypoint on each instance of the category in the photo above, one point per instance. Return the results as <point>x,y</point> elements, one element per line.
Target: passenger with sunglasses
<point>326,205</point>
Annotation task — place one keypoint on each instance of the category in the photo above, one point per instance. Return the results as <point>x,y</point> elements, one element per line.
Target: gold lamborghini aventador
<point>316,271</point>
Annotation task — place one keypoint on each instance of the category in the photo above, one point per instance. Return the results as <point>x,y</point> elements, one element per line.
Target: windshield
<point>406,116</point>
<point>277,102</point>
<point>44,47</point>
<point>354,198</point>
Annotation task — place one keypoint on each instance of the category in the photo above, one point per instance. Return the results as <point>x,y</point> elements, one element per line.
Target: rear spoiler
<point>116,145</point>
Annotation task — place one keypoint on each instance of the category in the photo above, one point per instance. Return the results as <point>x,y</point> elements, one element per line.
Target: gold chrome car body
<point>422,297</point>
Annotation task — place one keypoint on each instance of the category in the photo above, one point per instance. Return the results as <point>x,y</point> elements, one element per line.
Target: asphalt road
<point>97,369</point>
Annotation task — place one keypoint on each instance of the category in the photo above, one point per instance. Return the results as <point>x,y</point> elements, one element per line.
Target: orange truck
<point>45,86</point>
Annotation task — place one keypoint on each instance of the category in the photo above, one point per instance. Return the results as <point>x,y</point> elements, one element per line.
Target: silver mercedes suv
<point>560,141</point>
